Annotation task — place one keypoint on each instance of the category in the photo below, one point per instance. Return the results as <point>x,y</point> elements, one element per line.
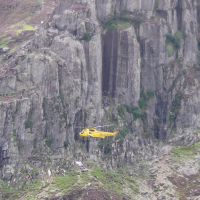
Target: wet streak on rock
<point>109,70</point>
<point>114,62</point>
<point>161,120</point>
<point>1,157</point>
<point>106,64</point>
<point>89,72</point>
<point>124,58</point>
<point>179,12</point>
<point>198,15</point>
<point>4,158</point>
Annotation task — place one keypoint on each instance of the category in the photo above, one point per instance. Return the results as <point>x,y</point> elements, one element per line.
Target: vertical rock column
<point>121,66</point>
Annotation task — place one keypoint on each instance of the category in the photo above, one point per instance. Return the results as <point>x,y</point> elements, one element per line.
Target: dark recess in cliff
<point>160,122</point>
<point>198,18</point>
<point>109,69</point>
<point>179,11</point>
<point>79,123</point>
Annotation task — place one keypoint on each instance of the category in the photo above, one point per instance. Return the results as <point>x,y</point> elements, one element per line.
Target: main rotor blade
<point>107,125</point>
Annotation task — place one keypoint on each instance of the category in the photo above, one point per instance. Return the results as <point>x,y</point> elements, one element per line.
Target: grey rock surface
<point>92,57</point>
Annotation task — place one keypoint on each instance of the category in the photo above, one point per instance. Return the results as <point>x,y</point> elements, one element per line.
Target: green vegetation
<point>170,50</point>
<point>117,23</point>
<point>125,112</point>
<point>4,41</point>
<point>136,112</point>
<point>124,21</point>
<point>175,39</point>
<point>32,189</point>
<point>121,109</point>
<point>123,133</point>
<point>64,183</point>
<point>87,37</point>
<point>115,181</point>
<point>180,154</point>
<point>24,28</point>
<point>7,191</point>
<point>173,42</point>
<point>134,20</point>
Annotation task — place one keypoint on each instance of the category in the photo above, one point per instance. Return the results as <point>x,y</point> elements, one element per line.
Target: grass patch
<point>29,190</point>
<point>32,189</point>
<point>7,191</point>
<point>24,28</point>
<point>4,41</point>
<point>60,184</point>
<point>170,50</point>
<point>115,181</point>
<point>185,153</point>
<point>65,183</point>
<point>85,178</point>
<point>117,24</point>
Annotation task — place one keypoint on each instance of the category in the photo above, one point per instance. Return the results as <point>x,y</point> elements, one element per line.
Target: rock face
<point>95,56</point>
<point>121,66</point>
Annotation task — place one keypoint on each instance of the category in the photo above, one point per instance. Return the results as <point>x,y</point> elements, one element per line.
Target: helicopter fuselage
<point>92,132</point>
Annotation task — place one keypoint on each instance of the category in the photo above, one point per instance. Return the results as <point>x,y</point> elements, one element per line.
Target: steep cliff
<point>132,64</point>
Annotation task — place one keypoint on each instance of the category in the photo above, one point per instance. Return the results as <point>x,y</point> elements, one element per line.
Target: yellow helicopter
<point>93,132</point>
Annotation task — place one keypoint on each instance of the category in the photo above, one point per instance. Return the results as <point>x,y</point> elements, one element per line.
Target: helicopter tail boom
<point>116,133</point>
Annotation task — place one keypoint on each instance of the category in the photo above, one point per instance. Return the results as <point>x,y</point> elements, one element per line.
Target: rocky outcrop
<point>89,60</point>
